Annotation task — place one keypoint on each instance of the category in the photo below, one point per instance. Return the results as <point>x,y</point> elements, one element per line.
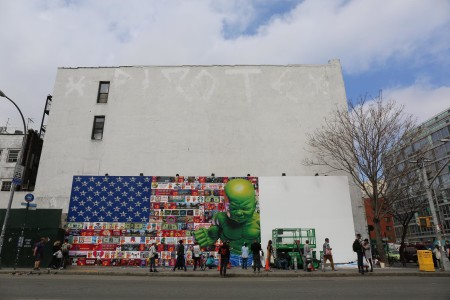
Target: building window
<point>1,154</point>
<point>103,91</point>
<point>13,155</point>
<point>97,130</point>
<point>387,219</point>
<point>6,186</point>
<point>388,228</point>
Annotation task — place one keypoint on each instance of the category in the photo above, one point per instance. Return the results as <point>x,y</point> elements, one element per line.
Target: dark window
<point>103,91</point>
<point>6,186</point>
<point>13,155</point>
<point>97,130</point>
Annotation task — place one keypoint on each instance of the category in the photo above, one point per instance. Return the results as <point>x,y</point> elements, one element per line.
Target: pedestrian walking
<point>244,256</point>
<point>65,248</point>
<point>224,252</point>
<point>153,255</point>
<point>255,248</point>
<point>180,263</point>
<point>357,247</point>
<point>38,252</point>
<point>327,254</point>
<point>57,256</point>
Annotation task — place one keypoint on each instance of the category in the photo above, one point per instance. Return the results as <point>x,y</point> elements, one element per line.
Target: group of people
<point>283,259</point>
<point>180,263</point>
<point>364,253</point>
<point>257,255</point>
<point>59,257</point>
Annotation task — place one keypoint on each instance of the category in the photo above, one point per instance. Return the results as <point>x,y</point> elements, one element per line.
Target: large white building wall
<point>190,120</point>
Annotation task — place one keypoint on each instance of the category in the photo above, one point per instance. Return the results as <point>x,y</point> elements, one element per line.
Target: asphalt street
<point>84,287</point>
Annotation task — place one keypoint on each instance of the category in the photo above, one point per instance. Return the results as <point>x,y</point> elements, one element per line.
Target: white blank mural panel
<point>320,202</point>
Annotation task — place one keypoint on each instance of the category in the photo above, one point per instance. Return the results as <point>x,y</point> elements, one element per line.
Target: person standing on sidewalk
<point>153,253</point>
<point>196,255</point>
<point>437,255</point>
<point>255,248</point>
<point>244,256</point>
<point>224,251</point>
<point>269,255</point>
<point>327,255</point>
<point>307,252</point>
<point>181,263</point>
<point>368,253</point>
<point>357,247</point>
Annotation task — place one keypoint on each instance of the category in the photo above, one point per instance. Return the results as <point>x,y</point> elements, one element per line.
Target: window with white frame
<point>13,155</point>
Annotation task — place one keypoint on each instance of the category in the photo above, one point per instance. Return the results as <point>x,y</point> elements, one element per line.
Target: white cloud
<point>421,100</point>
<point>39,36</point>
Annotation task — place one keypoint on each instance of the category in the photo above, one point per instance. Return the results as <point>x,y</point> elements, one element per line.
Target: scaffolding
<point>292,241</point>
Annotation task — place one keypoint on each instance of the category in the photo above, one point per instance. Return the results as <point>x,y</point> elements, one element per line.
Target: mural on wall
<point>113,220</point>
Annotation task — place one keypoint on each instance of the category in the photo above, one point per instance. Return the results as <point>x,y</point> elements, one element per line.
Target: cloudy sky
<point>399,46</point>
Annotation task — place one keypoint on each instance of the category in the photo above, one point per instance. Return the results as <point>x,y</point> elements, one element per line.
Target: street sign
<point>17,181</point>
<point>18,171</point>
<point>29,197</point>
<point>28,204</point>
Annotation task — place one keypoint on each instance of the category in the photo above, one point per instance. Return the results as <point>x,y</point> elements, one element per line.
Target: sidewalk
<point>233,272</point>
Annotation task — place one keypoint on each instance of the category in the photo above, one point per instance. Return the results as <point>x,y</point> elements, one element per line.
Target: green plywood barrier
<point>38,223</point>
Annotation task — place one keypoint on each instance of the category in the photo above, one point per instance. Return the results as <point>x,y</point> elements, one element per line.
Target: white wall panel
<point>320,202</point>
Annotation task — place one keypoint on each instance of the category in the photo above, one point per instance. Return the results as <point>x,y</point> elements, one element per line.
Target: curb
<point>300,274</point>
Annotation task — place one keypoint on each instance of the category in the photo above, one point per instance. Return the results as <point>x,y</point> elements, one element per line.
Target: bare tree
<point>404,193</point>
<point>356,141</point>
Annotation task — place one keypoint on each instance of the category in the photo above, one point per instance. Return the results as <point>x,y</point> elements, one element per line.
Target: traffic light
<point>425,222</point>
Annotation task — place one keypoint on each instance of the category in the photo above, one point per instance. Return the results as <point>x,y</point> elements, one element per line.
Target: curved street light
<point>17,177</point>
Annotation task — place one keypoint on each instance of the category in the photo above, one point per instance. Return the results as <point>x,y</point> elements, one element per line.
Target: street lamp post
<point>17,177</point>
<point>421,164</point>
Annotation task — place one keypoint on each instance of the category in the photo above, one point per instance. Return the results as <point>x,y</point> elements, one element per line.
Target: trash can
<point>425,259</point>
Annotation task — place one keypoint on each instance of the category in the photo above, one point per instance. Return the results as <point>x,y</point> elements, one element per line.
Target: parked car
<point>411,252</point>
<point>393,256</point>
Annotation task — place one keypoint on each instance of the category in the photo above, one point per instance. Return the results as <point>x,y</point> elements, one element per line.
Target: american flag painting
<point>110,199</point>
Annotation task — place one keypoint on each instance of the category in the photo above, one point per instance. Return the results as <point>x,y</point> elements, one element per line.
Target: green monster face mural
<point>239,224</point>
